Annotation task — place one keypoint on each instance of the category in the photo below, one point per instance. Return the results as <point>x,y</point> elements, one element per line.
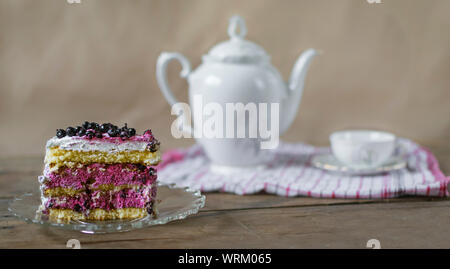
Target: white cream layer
<point>80,144</point>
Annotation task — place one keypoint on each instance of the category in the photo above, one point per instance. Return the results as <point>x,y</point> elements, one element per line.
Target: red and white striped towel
<point>290,174</point>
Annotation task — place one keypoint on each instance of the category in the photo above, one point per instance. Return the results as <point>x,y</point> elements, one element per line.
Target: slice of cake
<point>99,172</point>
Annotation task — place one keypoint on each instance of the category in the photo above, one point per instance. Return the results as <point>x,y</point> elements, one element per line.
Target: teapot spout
<point>295,88</point>
<point>298,74</point>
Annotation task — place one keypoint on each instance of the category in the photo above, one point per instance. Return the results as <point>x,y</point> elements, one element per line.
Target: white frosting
<point>80,144</point>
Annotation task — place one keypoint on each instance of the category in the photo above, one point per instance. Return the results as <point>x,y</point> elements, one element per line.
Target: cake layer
<point>98,214</point>
<point>56,158</point>
<point>107,144</point>
<point>98,177</point>
<point>59,191</point>
<point>86,201</point>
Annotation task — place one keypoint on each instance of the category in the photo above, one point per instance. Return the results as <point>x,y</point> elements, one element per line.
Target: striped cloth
<point>290,174</point>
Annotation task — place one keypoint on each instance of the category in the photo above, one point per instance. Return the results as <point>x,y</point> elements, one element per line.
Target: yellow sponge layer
<point>57,157</point>
<point>60,191</point>
<point>98,214</point>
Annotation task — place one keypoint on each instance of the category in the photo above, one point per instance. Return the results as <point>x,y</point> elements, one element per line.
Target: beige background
<point>385,66</point>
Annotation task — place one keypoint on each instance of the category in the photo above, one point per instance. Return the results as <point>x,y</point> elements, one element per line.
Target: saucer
<point>329,163</point>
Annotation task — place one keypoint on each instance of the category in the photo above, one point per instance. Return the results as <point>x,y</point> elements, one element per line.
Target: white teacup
<point>362,148</point>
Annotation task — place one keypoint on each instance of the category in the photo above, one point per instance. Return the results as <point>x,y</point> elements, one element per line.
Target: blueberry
<point>131,132</point>
<point>86,204</point>
<point>77,208</point>
<point>93,126</point>
<point>86,125</point>
<point>141,167</point>
<point>104,128</point>
<point>123,195</point>
<point>81,131</point>
<point>90,134</point>
<point>149,207</point>
<point>153,146</point>
<point>70,131</point>
<point>151,171</point>
<point>113,132</point>
<point>50,205</point>
<point>98,135</point>
<point>125,127</point>
<point>60,133</point>
<point>123,135</point>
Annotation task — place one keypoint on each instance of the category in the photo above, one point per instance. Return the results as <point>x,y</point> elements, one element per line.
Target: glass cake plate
<point>172,203</point>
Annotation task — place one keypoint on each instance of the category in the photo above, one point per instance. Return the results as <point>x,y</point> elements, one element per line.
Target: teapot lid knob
<point>237,22</point>
<point>237,49</point>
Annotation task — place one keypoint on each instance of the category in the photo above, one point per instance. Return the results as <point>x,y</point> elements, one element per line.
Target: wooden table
<point>253,221</point>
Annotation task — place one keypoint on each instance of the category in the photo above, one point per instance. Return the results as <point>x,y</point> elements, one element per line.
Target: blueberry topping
<point>149,207</point>
<point>81,131</point>
<point>123,135</point>
<point>151,171</point>
<point>86,125</point>
<point>60,133</point>
<point>93,129</point>
<point>153,146</point>
<point>113,132</point>
<point>104,128</point>
<point>86,204</point>
<point>50,205</point>
<point>90,134</point>
<point>70,131</point>
<point>141,167</point>
<point>94,126</point>
<point>131,132</point>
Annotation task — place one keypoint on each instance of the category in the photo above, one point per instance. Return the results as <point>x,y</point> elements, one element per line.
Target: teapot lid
<point>237,49</point>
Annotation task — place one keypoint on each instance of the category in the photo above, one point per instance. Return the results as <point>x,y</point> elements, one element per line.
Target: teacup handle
<point>161,76</point>
<point>161,73</point>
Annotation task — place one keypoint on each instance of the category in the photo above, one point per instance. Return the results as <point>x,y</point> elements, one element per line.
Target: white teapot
<point>237,71</point>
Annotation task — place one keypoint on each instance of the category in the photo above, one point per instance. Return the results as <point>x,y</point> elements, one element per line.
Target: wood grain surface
<point>252,221</point>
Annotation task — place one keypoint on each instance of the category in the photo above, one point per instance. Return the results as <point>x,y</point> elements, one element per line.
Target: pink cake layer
<point>98,174</point>
<point>105,200</point>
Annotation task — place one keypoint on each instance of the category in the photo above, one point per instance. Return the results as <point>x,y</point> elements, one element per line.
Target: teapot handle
<point>161,73</point>
<point>161,76</point>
